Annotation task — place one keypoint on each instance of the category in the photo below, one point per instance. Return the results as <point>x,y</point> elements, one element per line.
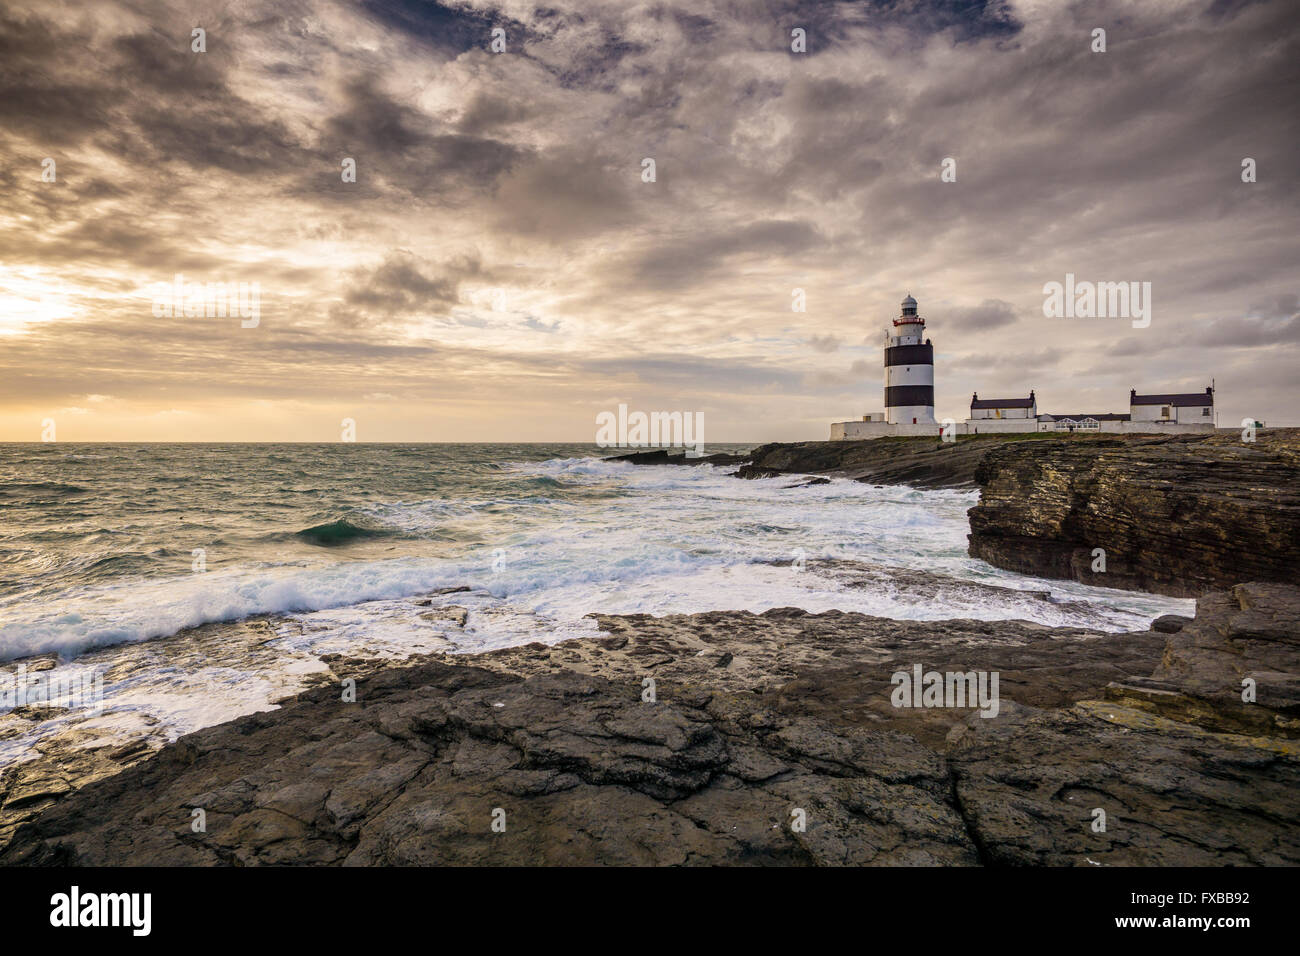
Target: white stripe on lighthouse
<point>909,375</point>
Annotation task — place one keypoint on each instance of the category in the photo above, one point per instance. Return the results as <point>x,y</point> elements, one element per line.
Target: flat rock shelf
<point>755,718</point>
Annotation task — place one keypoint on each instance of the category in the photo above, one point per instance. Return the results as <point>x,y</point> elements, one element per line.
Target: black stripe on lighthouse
<point>909,355</point>
<point>909,395</point>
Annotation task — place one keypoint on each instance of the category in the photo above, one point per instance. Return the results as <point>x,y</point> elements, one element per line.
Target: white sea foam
<point>90,617</point>
<point>595,537</point>
<point>654,540</point>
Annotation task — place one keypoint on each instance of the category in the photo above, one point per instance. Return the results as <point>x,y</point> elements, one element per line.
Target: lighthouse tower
<point>909,370</point>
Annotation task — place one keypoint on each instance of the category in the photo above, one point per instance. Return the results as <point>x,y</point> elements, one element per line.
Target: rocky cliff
<point>735,738</point>
<point>920,462</point>
<point>1178,515</point>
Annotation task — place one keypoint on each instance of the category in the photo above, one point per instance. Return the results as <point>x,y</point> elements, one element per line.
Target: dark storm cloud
<point>34,101</point>
<point>182,106</point>
<point>1227,9</point>
<point>212,135</point>
<point>164,61</point>
<point>401,285</point>
<point>831,24</point>
<point>453,28</point>
<point>373,120</point>
<point>486,112</point>
<point>411,151</point>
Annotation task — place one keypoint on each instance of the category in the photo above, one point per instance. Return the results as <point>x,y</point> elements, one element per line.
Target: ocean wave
<point>335,533</point>
<point>658,540</point>
<point>27,489</point>
<point>76,621</point>
<point>574,466</point>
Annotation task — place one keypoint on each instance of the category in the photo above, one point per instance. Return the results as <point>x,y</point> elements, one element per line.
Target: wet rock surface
<point>1179,514</point>
<point>662,456</point>
<point>1245,634</point>
<point>737,738</point>
<point>921,462</point>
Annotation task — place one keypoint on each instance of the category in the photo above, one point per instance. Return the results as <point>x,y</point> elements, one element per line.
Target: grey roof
<point>1178,401</point>
<point>1002,402</point>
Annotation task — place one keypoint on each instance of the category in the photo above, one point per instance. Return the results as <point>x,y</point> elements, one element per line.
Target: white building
<point>909,401</point>
<point>1196,408</point>
<point>1002,408</point>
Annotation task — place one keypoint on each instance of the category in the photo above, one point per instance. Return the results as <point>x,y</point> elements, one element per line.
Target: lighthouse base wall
<point>860,430</point>
<point>857,431</point>
<point>910,415</point>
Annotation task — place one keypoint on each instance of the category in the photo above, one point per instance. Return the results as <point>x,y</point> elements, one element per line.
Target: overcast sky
<point>500,271</point>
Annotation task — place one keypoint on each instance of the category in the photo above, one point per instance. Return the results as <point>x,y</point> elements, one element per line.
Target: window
<point>1165,413</point>
<point>1205,410</point>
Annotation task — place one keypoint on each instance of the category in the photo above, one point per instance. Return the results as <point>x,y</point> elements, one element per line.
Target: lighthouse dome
<point>909,301</point>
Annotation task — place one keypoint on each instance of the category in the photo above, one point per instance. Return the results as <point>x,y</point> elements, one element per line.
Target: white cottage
<point>1195,408</point>
<point>999,408</point>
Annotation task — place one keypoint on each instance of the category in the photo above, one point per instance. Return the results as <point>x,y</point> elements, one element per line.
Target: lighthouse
<point>909,370</point>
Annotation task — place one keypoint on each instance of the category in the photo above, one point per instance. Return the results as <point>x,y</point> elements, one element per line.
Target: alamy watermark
<point>651,430</point>
<point>75,690</point>
<point>922,688</point>
<point>212,300</point>
<point>1098,300</point>
<point>75,908</point>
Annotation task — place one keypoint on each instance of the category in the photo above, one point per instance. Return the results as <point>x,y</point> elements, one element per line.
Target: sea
<point>199,582</point>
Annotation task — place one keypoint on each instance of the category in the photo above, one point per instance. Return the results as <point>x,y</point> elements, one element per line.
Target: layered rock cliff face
<point>1177,515</point>
<point>768,739</point>
<point>920,462</point>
